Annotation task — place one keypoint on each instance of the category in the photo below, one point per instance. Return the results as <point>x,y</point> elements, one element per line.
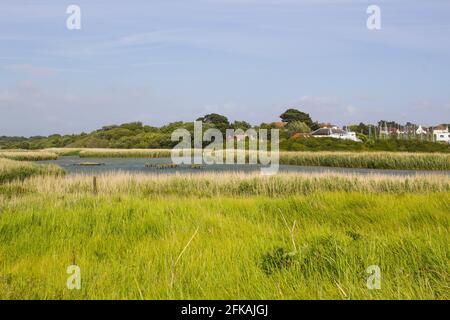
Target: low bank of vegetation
<point>23,155</point>
<point>370,160</point>
<point>124,153</point>
<point>11,170</point>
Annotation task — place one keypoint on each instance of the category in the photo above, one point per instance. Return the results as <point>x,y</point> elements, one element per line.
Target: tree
<point>360,128</point>
<point>217,120</point>
<point>132,126</point>
<point>292,115</point>
<point>298,127</point>
<point>241,125</point>
<point>314,126</point>
<point>24,145</point>
<point>214,118</point>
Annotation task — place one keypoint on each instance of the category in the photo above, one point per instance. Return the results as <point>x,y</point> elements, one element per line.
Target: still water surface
<point>137,165</point>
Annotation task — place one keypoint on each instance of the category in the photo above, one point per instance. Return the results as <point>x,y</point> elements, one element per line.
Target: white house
<point>336,133</point>
<point>421,130</point>
<point>442,128</point>
<point>441,134</point>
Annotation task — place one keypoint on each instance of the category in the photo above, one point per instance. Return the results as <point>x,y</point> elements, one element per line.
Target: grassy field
<point>209,236</point>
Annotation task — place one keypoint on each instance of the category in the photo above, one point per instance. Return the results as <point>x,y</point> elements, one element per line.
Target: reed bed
<point>370,160</point>
<point>64,151</point>
<point>21,155</point>
<point>110,153</point>
<point>125,153</point>
<point>11,170</point>
<point>234,184</point>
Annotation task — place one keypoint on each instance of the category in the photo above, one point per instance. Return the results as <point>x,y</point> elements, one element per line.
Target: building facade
<point>441,134</point>
<point>335,133</point>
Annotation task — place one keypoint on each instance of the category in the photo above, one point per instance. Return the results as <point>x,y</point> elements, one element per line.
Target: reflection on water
<point>161,166</point>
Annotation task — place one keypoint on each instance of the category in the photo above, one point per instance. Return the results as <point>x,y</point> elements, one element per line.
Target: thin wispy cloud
<point>248,59</point>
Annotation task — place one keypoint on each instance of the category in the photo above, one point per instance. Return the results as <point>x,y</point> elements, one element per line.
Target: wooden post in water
<point>94,182</point>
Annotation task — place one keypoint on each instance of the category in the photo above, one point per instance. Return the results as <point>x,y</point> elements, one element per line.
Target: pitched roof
<point>328,131</point>
<point>441,127</point>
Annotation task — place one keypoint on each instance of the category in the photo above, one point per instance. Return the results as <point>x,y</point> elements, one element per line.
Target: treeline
<point>128,135</point>
<point>124,136</point>
<point>294,126</point>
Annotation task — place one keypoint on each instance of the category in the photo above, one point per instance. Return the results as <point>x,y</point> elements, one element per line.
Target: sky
<point>159,61</point>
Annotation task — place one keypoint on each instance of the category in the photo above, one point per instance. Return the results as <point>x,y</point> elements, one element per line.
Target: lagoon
<point>73,165</point>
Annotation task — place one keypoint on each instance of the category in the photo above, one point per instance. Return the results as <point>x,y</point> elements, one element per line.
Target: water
<point>137,165</point>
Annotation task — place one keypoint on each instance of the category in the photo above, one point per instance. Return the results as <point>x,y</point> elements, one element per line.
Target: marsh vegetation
<point>290,236</point>
<point>11,170</point>
<point>369,160</point>
<point>23,155</point>
<point>224,235</point>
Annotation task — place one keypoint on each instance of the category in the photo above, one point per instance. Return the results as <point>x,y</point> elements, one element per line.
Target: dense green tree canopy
<point>214,118</point>
<point>292,115</point>
<point>241,125</point>
<point>298,127</point>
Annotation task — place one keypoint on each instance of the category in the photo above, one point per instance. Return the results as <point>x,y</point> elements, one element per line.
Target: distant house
<point>421,130</point>
<point>336,133</point>
<point>441,134</point>
<point>442,128</point>
<point>384,131</point>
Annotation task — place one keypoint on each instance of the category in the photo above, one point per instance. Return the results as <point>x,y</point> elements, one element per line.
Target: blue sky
<point>162,61</point>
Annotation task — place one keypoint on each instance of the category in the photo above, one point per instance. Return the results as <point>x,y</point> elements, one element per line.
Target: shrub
<point>276,260</point>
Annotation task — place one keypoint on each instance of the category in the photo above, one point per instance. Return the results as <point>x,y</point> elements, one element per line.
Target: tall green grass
<point>132,246</point>
<point>371,160</point>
